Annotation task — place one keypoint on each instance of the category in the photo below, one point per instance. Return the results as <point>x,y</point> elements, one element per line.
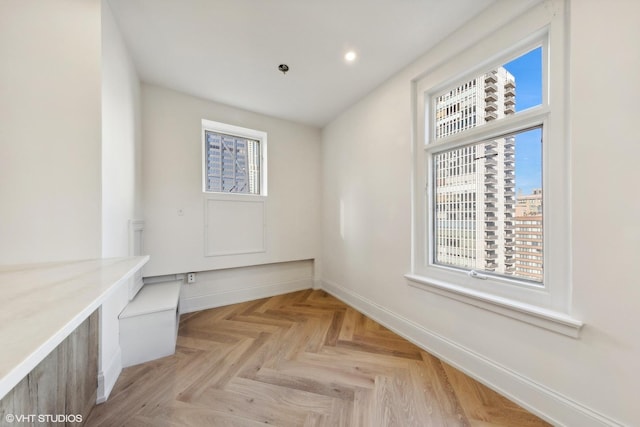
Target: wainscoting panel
<point>234,225</point>
<point>233,285</point>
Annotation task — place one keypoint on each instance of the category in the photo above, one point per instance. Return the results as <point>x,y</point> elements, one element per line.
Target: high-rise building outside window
<point>234,159</point>
<point>474,198</point>
<point>490,223</point>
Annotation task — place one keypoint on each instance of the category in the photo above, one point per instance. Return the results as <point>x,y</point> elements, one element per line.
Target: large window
<point>491,223</point>
<point>484,183</point>
<point>234,159</point>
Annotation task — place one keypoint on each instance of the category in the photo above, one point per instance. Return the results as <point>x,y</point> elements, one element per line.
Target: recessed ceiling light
<point>350,56</point>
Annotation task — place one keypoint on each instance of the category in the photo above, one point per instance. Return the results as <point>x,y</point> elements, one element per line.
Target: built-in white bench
<point>149,323</point>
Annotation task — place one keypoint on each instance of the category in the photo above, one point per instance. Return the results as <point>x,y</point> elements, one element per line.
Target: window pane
<point>233,164</point>
<point>479,221</point>
<point>490,96</point>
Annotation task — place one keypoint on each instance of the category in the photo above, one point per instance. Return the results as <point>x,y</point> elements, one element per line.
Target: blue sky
<point>527,70</point>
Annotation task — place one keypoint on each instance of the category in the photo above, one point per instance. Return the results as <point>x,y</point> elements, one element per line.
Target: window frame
<point>547,306</point>
<point>241,132</point>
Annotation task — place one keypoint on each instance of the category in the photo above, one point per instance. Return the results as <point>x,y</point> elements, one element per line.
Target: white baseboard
<point>203,302</point>
<point>535,397</point>
<point>107,378</point>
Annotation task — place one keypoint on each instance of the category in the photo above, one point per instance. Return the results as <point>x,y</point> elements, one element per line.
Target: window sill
<point>548,319</point>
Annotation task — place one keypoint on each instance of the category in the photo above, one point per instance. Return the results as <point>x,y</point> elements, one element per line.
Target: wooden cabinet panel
<point>64,383</point>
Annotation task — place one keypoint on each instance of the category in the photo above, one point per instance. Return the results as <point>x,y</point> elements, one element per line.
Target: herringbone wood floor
<point>301,359</point>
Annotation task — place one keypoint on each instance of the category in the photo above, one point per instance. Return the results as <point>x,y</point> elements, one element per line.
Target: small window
<point>234,159</point>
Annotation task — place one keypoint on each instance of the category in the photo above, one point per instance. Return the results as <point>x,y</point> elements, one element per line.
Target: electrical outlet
<point>191,277</point>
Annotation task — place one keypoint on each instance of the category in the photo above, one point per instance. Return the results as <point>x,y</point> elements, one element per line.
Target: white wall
<point>366,166</point>
<point>605,142</point>
<point>121,140</point>
<point>49,130</point>
<point>232,285</point>
<point>172,181</point>
<point>121,183</point>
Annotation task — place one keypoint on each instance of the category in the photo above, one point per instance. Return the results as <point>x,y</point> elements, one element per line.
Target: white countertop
<point>41,304</point>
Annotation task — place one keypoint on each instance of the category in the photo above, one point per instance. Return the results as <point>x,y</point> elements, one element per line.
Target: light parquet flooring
<point>300,359</point>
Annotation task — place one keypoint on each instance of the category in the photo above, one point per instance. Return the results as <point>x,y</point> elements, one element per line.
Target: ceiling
<point>229,50</point>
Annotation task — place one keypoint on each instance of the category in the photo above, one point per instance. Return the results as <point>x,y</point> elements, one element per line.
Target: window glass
<point>490,95</point>
<point>232,163</point>
<point>488,206</point>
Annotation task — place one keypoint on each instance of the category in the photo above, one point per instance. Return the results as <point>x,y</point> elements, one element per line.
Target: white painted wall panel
<point>234,226</point>
<point>121,140</point>
<point>605,148</point>
<point>121,184</point>
<point>49,130</point>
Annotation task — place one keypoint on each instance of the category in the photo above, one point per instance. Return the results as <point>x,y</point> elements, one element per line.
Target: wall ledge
<point>219,299</point>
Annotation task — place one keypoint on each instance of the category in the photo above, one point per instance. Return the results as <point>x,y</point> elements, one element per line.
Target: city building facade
<point>474,185</point>
<point>528,245</point>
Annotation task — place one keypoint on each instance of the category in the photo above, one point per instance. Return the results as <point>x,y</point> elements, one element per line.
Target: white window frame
<point>547,306</point>
<point>218,127</point>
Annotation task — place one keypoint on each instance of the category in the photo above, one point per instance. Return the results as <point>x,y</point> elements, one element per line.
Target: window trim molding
<point>549,306</point>
<point>213,126</point>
